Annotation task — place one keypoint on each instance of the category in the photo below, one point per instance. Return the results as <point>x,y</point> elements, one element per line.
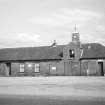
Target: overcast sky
<point>39,22</point>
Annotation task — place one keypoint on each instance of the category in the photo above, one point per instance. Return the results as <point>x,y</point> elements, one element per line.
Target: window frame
<point>36,67</point>
<point>22,68</point>
<point>72,53</point>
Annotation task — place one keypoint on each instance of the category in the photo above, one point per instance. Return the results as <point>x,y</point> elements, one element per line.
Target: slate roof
<point>31,53</point>
<point>93,50</point>
<point>90,50</point>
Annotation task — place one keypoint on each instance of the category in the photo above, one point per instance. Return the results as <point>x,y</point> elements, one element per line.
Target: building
<point>73,59</point>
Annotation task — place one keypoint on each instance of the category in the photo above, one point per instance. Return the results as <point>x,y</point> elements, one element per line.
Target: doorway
<point>8,69</point>
<point>100,64</point>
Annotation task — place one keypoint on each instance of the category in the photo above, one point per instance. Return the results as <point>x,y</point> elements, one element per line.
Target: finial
<point>75,28</point>
<point>55,41</point>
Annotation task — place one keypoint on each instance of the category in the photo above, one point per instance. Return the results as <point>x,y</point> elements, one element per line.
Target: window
<point>21,67</point>
<point>53,68</point>
<point>71,53</point>
<point>37,67</point>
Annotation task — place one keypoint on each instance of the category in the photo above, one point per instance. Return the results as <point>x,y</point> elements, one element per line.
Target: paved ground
<point>52,91</point>
<point>39,100</point>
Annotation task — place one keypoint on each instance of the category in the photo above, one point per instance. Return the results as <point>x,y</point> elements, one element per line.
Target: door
<point>8,69</point>
<point>68,68</point>
<point>100,64</point>
<point>75,68</point>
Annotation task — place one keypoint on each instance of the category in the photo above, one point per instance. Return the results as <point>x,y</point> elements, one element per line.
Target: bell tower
<point>72,54</point>
<point>75,36</point>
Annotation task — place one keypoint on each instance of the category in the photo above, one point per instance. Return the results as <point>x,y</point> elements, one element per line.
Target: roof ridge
<point>30,47</point>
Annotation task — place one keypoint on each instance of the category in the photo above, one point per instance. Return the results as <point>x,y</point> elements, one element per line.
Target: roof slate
<point>31,53</point>
<point>93,50</point>
<point>90,50</point>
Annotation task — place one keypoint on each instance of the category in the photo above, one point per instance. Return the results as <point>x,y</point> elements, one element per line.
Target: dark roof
<point>90,50</point>
<point>93,50</point>
<point>31,53</point>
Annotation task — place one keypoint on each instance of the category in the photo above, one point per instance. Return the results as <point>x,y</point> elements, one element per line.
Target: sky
<point>25,23</point>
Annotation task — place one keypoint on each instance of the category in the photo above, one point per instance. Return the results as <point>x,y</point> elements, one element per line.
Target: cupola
<point>75,36</point>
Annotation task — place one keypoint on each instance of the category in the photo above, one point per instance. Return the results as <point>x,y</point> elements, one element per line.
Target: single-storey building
<point>73,59</point>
